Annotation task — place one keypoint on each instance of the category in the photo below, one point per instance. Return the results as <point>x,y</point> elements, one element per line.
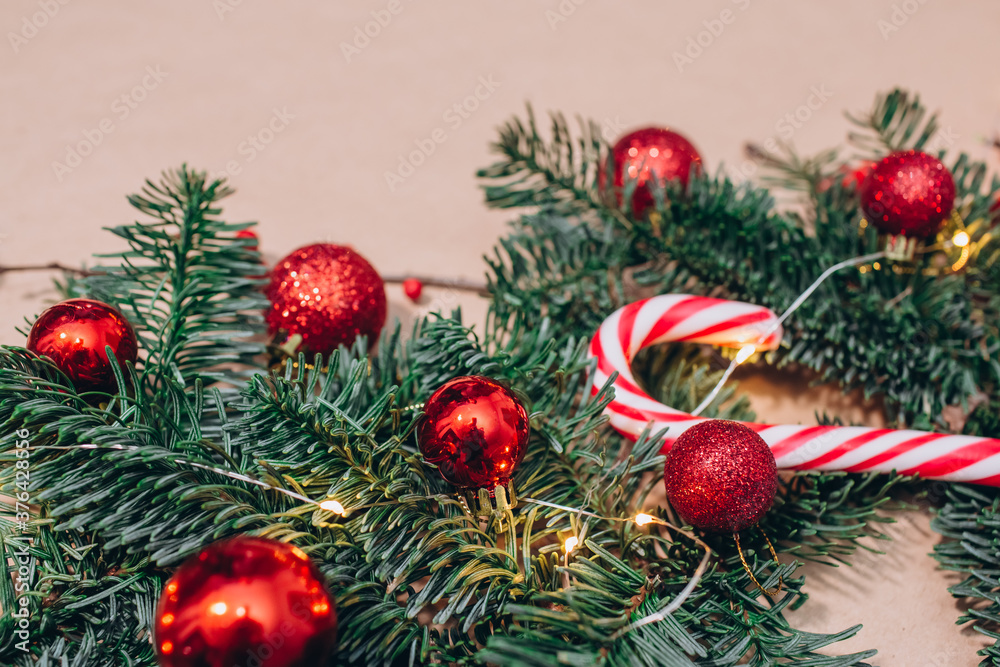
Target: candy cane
<point>695,319</point>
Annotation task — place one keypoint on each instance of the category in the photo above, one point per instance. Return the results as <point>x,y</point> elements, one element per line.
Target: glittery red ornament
<point>249,234</point>
<point>908,193</point>
<point>413,288</point>
<point>475,431</point>
<point>652,154</point>
<point>246,601</point>
<point>720,476</point>
<point>75,333</point>
<point>328,294</point>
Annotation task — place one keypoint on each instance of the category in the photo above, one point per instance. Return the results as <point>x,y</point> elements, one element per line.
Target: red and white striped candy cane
<point>695,319</point>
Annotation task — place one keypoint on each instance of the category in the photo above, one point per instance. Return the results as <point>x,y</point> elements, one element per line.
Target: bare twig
<point>51,266</point>
<point>460,284</point>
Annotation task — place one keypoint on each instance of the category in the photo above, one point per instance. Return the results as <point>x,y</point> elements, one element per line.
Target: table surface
<point>309,114</point>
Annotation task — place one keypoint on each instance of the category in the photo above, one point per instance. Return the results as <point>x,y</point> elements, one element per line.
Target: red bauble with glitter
<point>475,431</point>
<point>720,476</point>
<point>908,193</point>
<point>75,335</point>
<point>650,155</point>
<point>246,601</point>
<point>328,294</point>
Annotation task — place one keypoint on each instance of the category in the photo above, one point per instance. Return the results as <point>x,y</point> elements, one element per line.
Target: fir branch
<point>187,284</point>
<point>558,174</point>
<point>897,121</point>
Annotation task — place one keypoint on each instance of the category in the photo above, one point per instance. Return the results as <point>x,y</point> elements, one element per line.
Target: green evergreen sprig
<point>177,456</point>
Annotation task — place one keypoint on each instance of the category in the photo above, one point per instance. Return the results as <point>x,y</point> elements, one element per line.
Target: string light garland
<point>748,350</point>
<point>571,543</point>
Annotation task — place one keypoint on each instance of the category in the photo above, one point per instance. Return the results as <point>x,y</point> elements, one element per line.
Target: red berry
<point>413,288</point>
<point>249,234</point>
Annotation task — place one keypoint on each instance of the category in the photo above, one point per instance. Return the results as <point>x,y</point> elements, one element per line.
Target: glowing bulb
<point>571,543</point>
<point>643,519</point>
<point>960,239</point>
<point>219,608</point>
<point>333,506</point>
<point>745,353</point>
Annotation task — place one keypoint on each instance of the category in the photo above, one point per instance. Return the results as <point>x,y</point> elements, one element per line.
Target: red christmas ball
<point>246,601</point>
<point>908,193</point>
<point>475,431</point>
<point>75,334</point>
<point>720,476</point>
<point>329,295</point>
<point>413,288</point>
<point>249,234</point>
<point>650,155</point>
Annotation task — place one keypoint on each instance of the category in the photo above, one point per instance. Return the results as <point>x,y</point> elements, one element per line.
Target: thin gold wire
<point>746,566</point>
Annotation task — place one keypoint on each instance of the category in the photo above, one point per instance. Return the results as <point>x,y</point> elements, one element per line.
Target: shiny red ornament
<point>75,333</point>
<point>475,431</point>
<point>413,288</point>
<point>908,193</point>
<point>328,294</point>
<point>720,476</point>
<point>249,234</point>
<point>650,155</point>
<point>246,601</point>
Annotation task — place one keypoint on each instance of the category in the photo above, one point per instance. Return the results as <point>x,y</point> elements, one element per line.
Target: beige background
<point>228,65</point>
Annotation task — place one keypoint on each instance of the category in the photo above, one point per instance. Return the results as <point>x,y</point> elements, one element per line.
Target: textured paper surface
<point>201,77</point>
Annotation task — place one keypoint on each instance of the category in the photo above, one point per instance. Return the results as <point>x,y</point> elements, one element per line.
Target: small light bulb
<point>332,506</point>
<point>745,353</point>
<point>643,519</point>
<point>961,239</point>
<point>571,543</point>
